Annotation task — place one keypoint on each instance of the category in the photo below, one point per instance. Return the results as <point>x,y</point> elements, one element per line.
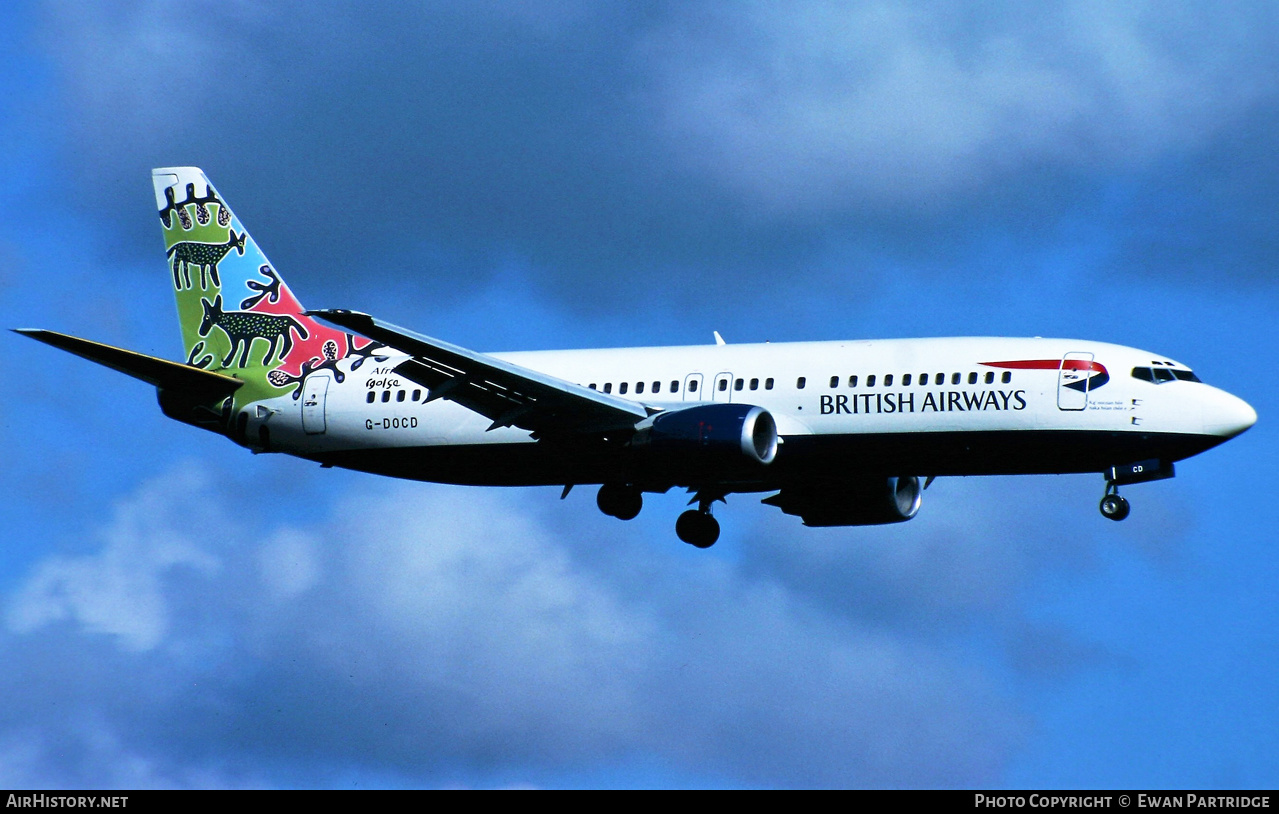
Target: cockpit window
<point>1159,375</point>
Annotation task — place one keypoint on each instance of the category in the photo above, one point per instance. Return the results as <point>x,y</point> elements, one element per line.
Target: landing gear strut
<point>696,526</point>
<point>1114,507</point>
<point>619,500</point>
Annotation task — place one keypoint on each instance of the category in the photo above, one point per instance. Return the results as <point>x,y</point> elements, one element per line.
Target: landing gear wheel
<point>1114,507</point>
<point>697,528</point>
<point>622,502</point>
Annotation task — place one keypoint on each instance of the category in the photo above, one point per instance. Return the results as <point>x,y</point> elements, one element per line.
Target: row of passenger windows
<point>753,384</point>
<point>624,387</point>
<point>400,395</point>
<point>924,379</point>
<point>1158,375</point>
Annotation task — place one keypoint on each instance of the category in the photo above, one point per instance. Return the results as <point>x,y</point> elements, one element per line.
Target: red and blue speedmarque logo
<point>1091,375</point>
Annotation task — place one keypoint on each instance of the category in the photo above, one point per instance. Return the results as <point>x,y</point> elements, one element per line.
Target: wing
<point>508,394</point>
<point>161,373</point>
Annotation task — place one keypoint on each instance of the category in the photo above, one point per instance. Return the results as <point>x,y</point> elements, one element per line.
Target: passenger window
<point>1007,377</point>
<point>870,380</point>
<point>754,384</point>
<point>399,396</point>
<point>639,388</point>
<point>954,378</point>
<point>621,388</point>
<point>940,378</point>
<point>852,381</point>
<point>923,378</point>
<point>417,395</point>
<point>657,387</point>
<point>972,377</point>
<point>592,386</point>
<point>800,382</point>
<point>990,377</point>
<point>723,385</point>
<point>692,385</point>
<point>737,385</point>
<point>674,386</point>
<point>888,380</point>
<point>608,387</point>
<point>768,384</point>
<point>906,380</point>
<point>386,395</point>
<point>372,396</point>
<point>834,382</point>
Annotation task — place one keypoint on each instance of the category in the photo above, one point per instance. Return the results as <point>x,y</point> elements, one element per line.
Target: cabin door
<point>723,387</point>
<point>315,389</point>
<point>1072,381</point>
<point>693,387</point>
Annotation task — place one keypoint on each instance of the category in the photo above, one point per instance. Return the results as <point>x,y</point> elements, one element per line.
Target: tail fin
<point>236,312</point>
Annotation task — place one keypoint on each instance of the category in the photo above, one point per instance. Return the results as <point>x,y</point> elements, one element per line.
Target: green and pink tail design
<point>237,315</point>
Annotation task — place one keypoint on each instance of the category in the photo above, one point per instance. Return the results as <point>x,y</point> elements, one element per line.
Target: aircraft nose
<point>1228,415</point>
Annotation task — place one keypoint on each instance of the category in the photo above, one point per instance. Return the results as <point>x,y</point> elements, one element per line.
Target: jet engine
<point>740,432</point>
<point>861,502</point>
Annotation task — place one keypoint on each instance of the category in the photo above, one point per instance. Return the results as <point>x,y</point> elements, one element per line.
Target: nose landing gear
<point>1114,507</point>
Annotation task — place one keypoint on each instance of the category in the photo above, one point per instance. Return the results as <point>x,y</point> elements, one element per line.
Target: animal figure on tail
<point>242,327</point>
<point>206,256</point>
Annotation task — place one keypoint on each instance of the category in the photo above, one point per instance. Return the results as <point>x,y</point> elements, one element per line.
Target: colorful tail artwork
<point>237,315</point>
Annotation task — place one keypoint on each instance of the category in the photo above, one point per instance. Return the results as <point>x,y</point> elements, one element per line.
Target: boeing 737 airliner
<point>837,433</point>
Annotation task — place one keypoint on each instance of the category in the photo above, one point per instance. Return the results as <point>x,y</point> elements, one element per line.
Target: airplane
<point>838,433</point>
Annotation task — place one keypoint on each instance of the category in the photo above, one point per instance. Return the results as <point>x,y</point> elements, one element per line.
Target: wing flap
<point>153,370</point>
<point>508,394</point>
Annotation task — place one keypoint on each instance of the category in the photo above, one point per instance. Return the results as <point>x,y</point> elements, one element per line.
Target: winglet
<point>719,340</point>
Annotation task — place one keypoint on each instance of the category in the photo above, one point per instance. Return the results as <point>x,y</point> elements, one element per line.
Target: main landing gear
<point>696,526</point>
<point>1114,507</point>
<point>620,500</point>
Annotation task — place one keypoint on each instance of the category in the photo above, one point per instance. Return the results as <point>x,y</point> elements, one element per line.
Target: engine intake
<point>732,431</point>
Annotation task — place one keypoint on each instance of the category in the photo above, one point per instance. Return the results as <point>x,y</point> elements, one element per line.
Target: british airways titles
<point>940,402</point>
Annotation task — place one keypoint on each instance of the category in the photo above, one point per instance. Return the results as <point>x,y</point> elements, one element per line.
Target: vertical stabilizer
<point>237,315</point>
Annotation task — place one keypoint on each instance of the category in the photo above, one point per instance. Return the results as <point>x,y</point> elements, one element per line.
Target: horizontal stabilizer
<point>161,373</point>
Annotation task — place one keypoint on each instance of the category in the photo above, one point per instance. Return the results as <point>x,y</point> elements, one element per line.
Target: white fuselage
<point>905,406</point>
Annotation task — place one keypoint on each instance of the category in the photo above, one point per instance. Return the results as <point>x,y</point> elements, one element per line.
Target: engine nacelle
<point>729,431</point>
<point>862,502</point>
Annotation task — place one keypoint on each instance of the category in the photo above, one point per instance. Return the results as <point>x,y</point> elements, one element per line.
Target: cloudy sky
<point>176,612</point>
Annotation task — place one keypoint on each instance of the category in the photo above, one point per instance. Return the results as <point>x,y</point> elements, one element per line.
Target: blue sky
<point>176,612</point>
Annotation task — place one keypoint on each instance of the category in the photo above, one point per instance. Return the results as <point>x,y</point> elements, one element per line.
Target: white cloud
<point>894,104</point>
<point>407,629</point>
<point>120,590</point>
